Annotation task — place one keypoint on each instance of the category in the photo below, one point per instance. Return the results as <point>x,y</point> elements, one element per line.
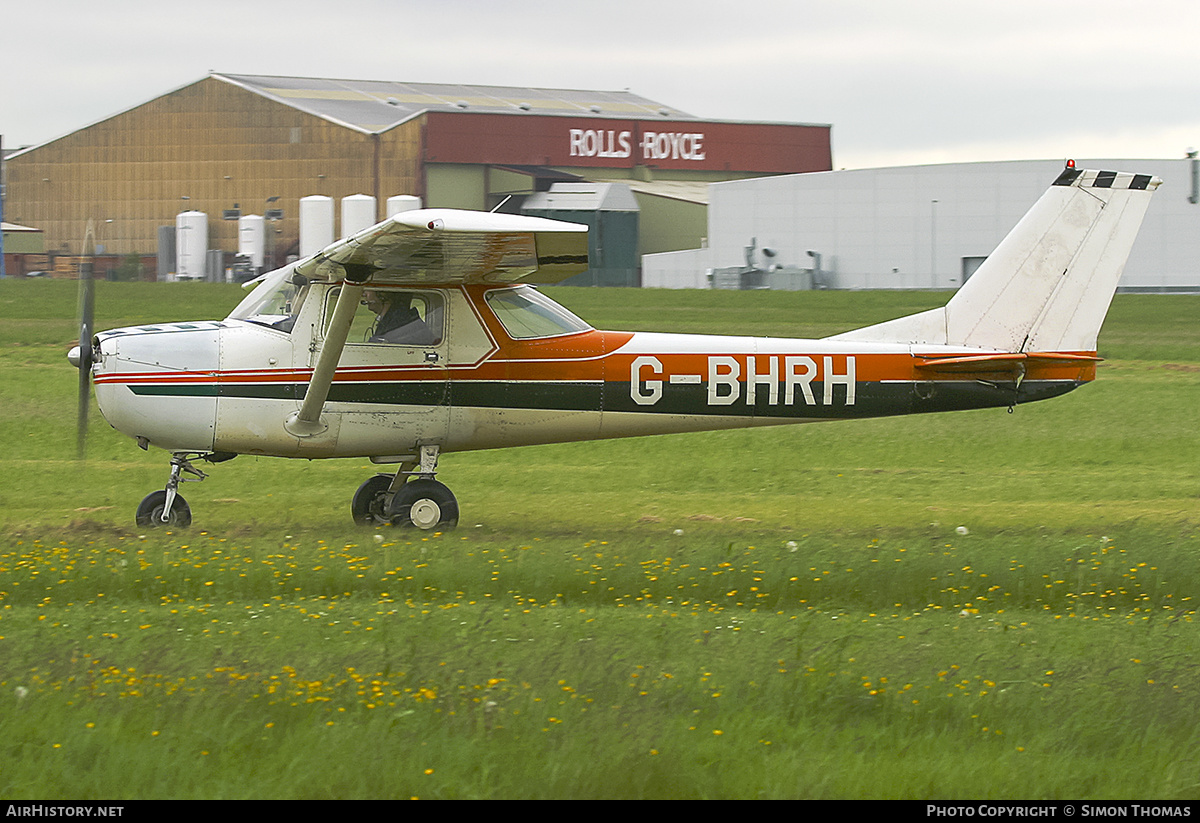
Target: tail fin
<point>1048,285</point>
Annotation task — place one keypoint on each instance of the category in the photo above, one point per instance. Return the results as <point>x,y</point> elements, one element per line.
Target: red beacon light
<point>1070,164</point>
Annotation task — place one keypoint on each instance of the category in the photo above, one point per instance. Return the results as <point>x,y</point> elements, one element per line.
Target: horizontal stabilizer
<point>1005,362</point>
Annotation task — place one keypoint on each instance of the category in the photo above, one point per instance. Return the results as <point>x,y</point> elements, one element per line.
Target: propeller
<point>82,356</point>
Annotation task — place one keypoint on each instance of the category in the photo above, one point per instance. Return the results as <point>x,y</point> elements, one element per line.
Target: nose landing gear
<point>166,507</point>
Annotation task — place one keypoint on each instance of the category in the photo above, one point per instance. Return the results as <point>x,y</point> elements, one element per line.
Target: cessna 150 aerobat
<point>425,334</point>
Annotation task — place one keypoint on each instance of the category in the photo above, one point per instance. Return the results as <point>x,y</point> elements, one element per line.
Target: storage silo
<point>358,213</point>
<point>165,264</point>
<point>252,239</point>
<point>191,245</point>
<point>316,223</point>
<point>402,203</point>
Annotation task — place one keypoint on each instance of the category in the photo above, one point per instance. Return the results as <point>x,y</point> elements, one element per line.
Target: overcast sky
<point>900,81</point>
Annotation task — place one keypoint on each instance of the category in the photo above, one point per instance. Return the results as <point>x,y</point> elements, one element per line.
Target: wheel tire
<point>369,505</point>
<point>424,504</point>
<point>149,511</point>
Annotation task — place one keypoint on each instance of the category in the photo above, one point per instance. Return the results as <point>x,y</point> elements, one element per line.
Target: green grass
<point>785,612</point>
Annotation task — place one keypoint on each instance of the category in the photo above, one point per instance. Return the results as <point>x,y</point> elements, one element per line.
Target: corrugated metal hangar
<point>231,145</point>
<point>912,227</point>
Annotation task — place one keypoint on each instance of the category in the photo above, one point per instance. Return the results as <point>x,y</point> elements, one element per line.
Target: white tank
<point>252,239</point>
<point>401,203</point>
<point>191,245</point>
<point>316,224</point>
<point>358,213</point>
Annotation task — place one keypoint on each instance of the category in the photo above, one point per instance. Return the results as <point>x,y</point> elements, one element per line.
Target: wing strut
<point>307,421</point>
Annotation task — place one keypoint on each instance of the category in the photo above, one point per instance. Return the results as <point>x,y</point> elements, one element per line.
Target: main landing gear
<point>409,498</point>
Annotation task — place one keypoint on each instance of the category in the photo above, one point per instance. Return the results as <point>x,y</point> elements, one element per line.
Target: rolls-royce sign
<point>593,142</point>
<point>652,146</point>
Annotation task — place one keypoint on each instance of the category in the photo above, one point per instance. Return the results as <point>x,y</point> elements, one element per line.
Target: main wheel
<point>369,505</point>
<point>149,511</point>
<point>426,504</point>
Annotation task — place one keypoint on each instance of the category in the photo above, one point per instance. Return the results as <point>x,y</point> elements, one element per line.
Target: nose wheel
<point>153,511</point>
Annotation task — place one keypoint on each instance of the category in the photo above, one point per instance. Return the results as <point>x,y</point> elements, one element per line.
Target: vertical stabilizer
<point>1048,285</point>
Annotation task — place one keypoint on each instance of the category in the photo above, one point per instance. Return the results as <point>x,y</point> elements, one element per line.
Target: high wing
<point>431,247</point>
<point>447,246</point>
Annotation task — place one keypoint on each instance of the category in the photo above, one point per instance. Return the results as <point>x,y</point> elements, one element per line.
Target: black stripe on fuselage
<point>870,399</point>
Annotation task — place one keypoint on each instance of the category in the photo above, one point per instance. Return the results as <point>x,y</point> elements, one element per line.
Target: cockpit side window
<point>527,314</point>
<point>394,317</point>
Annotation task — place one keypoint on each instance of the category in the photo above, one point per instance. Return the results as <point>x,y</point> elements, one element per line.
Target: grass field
<point>969,605</point>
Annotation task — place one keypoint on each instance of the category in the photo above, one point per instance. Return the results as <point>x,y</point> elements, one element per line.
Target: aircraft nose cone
<point>74,356</point>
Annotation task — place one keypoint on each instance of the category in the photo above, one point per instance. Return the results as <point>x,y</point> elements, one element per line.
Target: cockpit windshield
<point>275,302</point>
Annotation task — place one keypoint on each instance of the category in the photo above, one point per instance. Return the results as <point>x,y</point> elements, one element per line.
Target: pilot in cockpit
<point>398,320</point>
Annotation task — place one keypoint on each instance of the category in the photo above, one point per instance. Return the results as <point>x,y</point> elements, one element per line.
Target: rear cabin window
<point>527,313</point>
<point>393,317</point>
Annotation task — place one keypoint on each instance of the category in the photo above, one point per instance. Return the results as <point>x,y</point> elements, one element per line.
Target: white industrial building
<point>913,227</point>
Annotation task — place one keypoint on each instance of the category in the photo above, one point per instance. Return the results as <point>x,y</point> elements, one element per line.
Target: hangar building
<point>230,145</point>
<point>913,227</point>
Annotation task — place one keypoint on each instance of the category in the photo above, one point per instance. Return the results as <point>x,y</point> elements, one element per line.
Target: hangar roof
<point>374,106</point>
<point>583,197</point>
<point>689,191</point>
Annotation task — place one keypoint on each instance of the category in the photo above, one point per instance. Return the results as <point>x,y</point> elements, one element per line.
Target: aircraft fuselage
<point>230,386</point>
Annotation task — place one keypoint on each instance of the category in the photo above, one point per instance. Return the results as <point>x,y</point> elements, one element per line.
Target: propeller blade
<point>87,300</point>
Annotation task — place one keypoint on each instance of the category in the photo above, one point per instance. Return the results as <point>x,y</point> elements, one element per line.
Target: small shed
<point>23,240</point>
<point>610,211</point>
<point>24,249</point>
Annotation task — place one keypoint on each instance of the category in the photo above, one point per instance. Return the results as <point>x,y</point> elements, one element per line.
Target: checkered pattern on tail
<point>1087,179</point>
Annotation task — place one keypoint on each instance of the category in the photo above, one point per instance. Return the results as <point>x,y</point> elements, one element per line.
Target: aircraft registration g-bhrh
<point>425,334</point>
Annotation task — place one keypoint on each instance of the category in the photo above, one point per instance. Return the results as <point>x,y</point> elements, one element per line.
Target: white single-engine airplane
<point>424,334</point>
